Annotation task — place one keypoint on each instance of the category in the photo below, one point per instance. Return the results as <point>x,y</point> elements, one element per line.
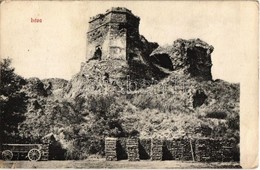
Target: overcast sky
<point>57,46</point>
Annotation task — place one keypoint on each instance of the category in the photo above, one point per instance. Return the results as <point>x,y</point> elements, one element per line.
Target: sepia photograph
<point>135,84</point>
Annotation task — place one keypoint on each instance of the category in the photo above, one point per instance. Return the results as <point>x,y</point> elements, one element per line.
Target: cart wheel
<point>34,155</point>
<point>7,155</point>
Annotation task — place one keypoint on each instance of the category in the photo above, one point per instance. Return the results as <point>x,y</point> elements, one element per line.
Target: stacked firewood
<point>156,149</point>
<point>132,145</point>
<point>45,152</point>
<point>214,150</point>
<point>110,149</point>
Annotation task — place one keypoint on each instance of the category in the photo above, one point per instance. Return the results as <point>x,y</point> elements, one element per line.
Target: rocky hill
<point>186,93</point>
<point>110,98</point>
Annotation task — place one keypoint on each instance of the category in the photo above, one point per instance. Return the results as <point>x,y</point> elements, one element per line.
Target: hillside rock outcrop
<point>192,56</point>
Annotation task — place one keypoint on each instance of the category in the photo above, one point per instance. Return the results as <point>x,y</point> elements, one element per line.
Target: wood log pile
<point>45,152</point>
<point>183,149</point>
<point>132,145</point>
<point>214,150</point>
<point>178,149</point>
<point>110,149</point>
<point>186,149</point>
<point>47,141</point>
<point>228,147</point>
<point>156,149</point>
<point>121,148</point>
<point>145,148</point>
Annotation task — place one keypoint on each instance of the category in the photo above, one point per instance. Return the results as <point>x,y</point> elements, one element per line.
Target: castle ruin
<point>110,34</point>
<point>114,35</point>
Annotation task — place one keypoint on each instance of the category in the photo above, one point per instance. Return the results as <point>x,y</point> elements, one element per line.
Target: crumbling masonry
<point>110,34</point>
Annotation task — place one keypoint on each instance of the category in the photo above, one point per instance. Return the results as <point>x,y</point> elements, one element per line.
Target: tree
<point>13,102</point>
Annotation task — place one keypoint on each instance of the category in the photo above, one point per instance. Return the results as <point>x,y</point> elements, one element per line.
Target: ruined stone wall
<point>110,31</point>
<point>98,37</point>
<point>192,56</point>
<point>122,27</point>
<point>117,41</point>
<point>118,17</point>
<point>101,20</point>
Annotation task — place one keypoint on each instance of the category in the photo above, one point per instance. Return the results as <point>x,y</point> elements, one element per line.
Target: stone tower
<point>111,34</point>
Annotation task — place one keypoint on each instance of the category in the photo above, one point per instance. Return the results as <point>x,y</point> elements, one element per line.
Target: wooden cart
<point>33,152</point>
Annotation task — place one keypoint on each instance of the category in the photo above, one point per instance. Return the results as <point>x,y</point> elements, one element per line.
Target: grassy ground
<point>116,164</point>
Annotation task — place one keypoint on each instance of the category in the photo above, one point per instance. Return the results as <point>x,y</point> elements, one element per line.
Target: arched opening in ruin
<point>199,98</point>
<point>98,53</point>
<point>162,60</point>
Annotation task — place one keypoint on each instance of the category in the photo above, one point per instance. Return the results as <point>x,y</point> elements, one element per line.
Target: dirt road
<point>101,163</point>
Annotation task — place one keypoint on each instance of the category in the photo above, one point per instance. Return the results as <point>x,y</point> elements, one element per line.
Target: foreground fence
<point>203,150</point>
